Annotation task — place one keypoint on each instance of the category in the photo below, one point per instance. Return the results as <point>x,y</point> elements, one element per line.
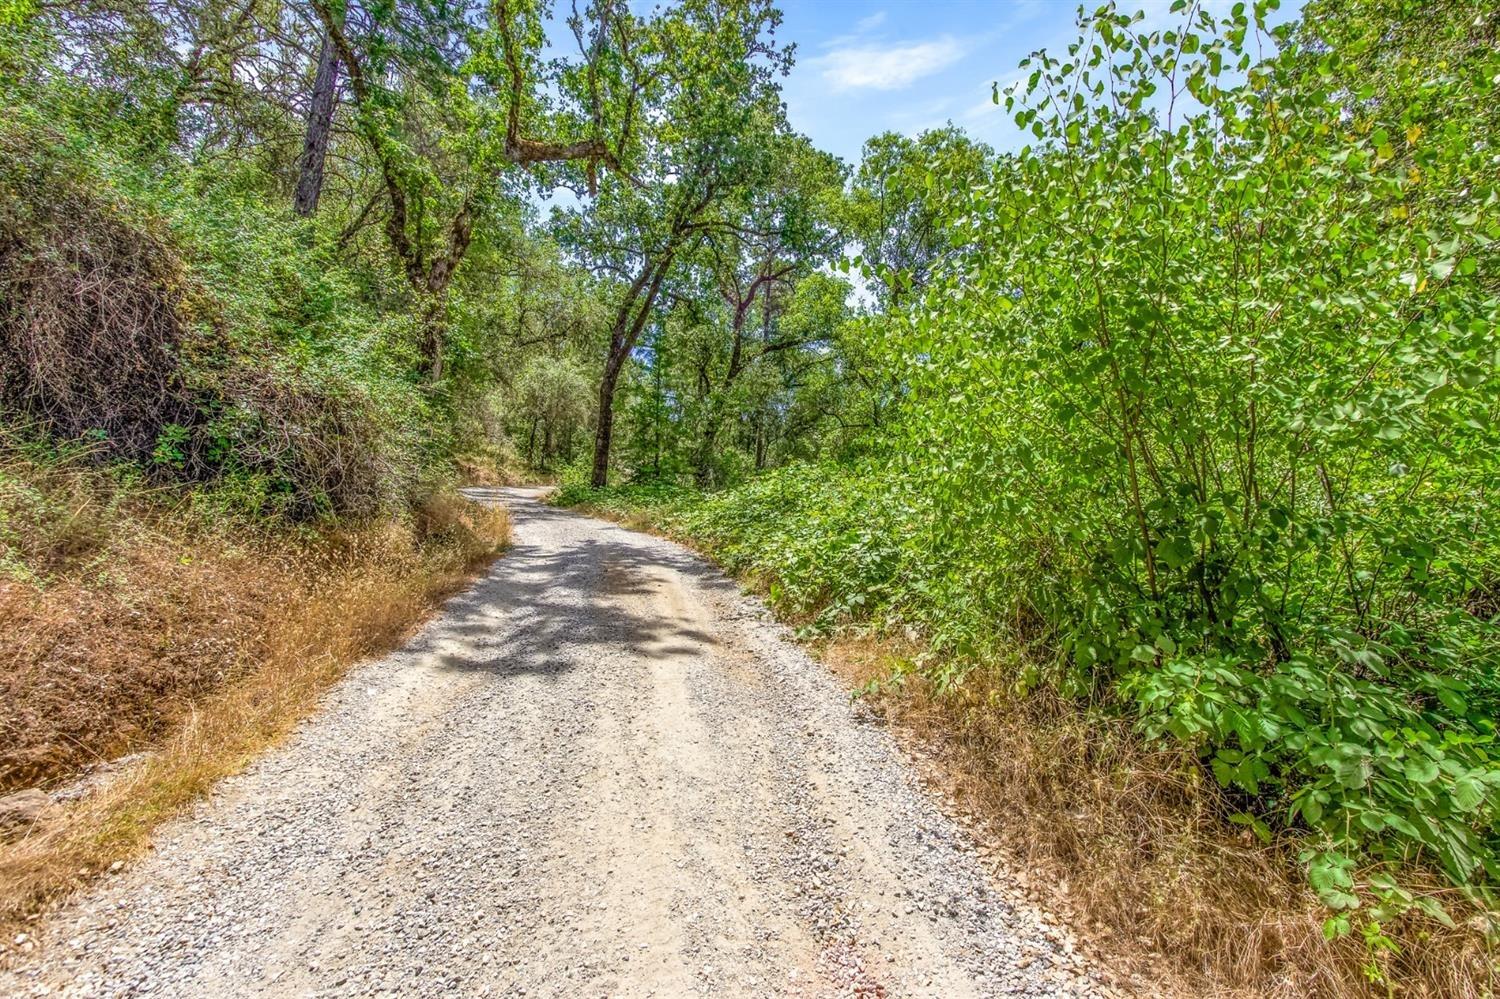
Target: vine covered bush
<point>198,333</point>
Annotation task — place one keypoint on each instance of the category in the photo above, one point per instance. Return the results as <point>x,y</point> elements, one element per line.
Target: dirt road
<point>601,771</point>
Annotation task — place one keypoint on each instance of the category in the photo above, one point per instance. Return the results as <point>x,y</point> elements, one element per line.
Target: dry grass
<point>498,464</point>
<point>1128,845</point>
<point>203,649</point>
<point>635,520</point>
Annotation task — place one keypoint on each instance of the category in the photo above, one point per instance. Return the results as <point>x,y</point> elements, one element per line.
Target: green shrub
<point>1212,406</point>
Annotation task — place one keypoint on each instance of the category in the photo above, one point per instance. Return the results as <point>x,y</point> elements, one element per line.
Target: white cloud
<point>870,23</point>
<point>887,67</point>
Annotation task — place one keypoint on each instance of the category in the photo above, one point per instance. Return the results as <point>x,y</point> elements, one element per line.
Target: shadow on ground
<point>565,595</point>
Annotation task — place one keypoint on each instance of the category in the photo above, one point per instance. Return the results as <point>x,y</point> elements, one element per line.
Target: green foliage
<point>899,201</point>
<point>550,403</point>
<point>1198,414</point>
<point>1233,358</point>
<point>274,369</point>
<point>1188,409</point>
<point>819,536</point>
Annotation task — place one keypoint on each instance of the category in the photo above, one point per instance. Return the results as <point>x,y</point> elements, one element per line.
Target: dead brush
<point>1129,843</point>
<point>90,306</point>
<point>109,333</point>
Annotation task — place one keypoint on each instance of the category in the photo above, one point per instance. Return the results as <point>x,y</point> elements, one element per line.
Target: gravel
<point>600,771</point>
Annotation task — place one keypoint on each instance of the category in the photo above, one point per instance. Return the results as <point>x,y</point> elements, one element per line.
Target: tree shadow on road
<point>544,610</point>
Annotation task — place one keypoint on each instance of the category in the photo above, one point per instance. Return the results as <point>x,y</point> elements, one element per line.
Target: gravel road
<point>600,771</point>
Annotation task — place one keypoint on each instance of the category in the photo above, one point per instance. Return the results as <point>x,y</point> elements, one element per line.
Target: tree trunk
<point>703,474</point>
<point>659,404</point>
<point>434,332</point>
<point>319,125</point>
<point>604,431</point>
<point>629,321</point>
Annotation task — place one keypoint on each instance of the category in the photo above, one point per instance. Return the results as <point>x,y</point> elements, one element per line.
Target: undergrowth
<point>1130,836</point>
<point>175,321</point>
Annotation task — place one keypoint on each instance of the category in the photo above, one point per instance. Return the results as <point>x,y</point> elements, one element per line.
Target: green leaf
<point>1468,794</point>
<point>1421,770</point>
<point>1175,552</point>
<point>1261,830</point>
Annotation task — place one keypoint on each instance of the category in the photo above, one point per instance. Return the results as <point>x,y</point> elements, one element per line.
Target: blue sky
<point>865,66</point>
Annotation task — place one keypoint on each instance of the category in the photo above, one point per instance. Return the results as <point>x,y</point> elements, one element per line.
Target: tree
<point>713,99</point>
<point>180,75</point>
<point>779,231</point>
<point>897,205</point>
<point>634,306</point>
<point>319,128</point>
<point>551,397</point>
<point>828,396</point>
<point>486,87</point>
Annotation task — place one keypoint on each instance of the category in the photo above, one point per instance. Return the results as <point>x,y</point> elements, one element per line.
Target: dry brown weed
<point>203,647</point>
<point>1128,844</point>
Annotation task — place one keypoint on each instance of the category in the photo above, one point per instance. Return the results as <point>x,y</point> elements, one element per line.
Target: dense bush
<point>1212,399</point>
<point>91,304</point>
